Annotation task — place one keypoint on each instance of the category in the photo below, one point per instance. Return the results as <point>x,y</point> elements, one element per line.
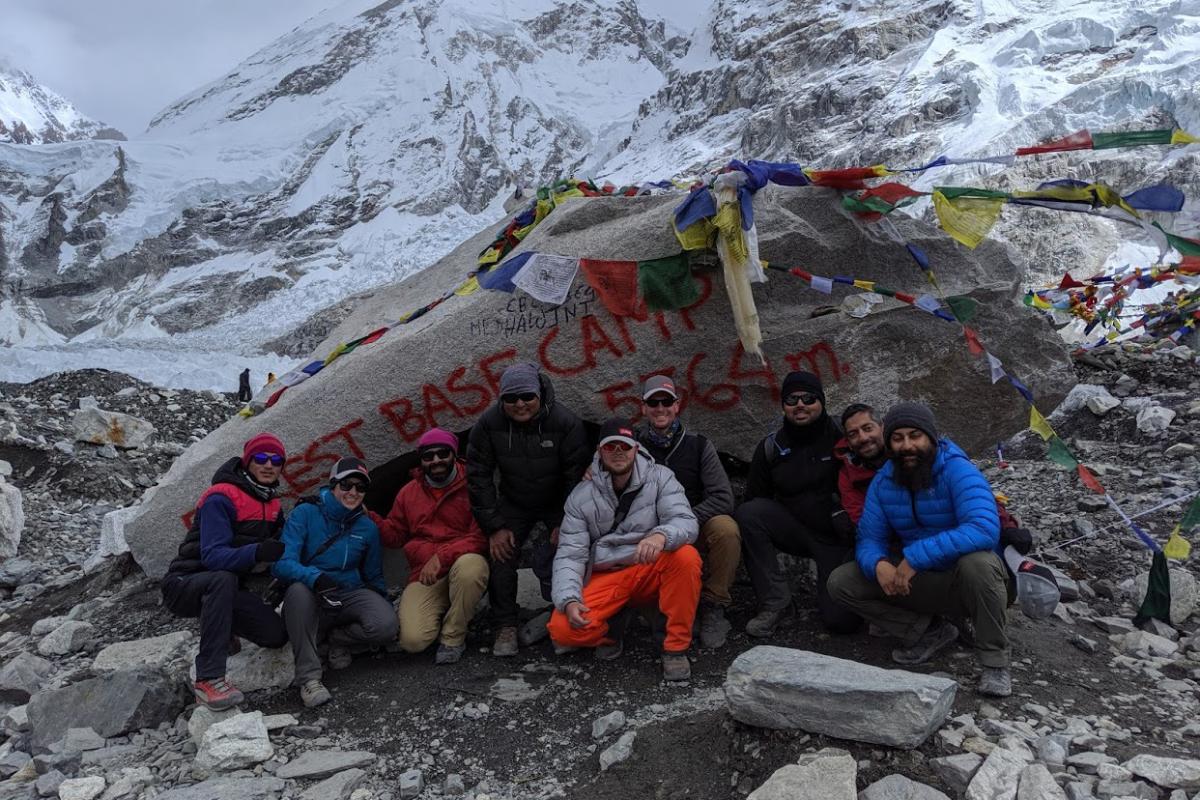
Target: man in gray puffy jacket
<point>626,539</point>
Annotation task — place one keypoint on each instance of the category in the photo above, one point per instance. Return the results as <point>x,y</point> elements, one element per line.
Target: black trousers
<point>502,577</point>
<point>225,610</point>
<point>768,527</point>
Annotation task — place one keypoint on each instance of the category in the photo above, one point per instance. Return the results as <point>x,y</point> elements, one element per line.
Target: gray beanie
<point>910,415</point>
<point>520,378</point>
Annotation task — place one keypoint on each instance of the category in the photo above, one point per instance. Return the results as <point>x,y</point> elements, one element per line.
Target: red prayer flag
<point>1089,480</point>
<point>1189,265</point>
<point>616,284</point>
<point>1069,283</point>
<point>972,341</point>
<point>799,273</point>
<point>373,336</point>
<point>273,399</point>
<point>851,178</point>
<point>905,298</point>
<point>1079,140</point>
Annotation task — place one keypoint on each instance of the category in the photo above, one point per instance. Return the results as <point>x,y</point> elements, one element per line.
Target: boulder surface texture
<point>777,687</point>
<point>443,367</point>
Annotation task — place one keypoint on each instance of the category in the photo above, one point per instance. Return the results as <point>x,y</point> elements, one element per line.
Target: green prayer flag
<point>953,192</point>
<point>1059,454</point>
<point>666,283</point>
<point>962,307</point>
<point>1157,603</point>
<point>1191,517</point>
<point>1103,141</point>
<point>1187,247</point>
<point>885,291</point>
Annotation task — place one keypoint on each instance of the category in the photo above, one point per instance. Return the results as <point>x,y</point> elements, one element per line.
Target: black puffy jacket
<point>796,466</point>
<point>540,461</point>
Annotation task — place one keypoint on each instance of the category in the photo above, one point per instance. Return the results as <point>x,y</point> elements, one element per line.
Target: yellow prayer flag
<point>337,351</point>
<point>967,219</point>
<point>1038,424</point>
<point>489,256</point>
<point>728,222</point>
<point>1183,137</point>
<point>1177,547</point>
<point>698,236</point>
<point>246,411</point>
<point>881,171</point>
<point>866,286</point>
<point>1038,302</point>
<point>469,286</point>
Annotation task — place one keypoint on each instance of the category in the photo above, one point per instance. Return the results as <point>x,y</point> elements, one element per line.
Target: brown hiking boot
<point>506,642</point>
<point>676,667</point>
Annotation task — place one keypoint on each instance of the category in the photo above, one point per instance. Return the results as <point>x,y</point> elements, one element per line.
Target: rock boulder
<point>443,367</point>
<point>97,426</point>
<point>110,705</point>
<point>12,519</point>
<point>827,774</point>
<point>776,687</point>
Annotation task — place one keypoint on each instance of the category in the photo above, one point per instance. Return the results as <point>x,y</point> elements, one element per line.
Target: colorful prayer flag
<point>962,307</point>
<point>1059,454</point>
<point>967,220</point>
<point>1104,141</point>
<point>548,278</point>
<point>1080,140</point>
<point>822,284</point>
<point>616,284</point>
<point>666,284</point>
<point>469,286</point>
<point>1157,603</point>
<point>1177,547</point>
<point>1039,425</point>
<point>1089,479</point>
<point>996,367</point>
<point>927,302</point>
<point>973,343</point>
<point>500,277</point>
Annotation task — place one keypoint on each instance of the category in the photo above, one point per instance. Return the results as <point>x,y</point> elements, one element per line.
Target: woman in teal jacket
<point>333,562</point>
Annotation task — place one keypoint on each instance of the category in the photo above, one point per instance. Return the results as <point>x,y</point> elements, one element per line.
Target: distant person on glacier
<point>244,394</point>
<point>539,448</point>
<point>333,560</point>
<point>231,542</point>
<point>928,546</point>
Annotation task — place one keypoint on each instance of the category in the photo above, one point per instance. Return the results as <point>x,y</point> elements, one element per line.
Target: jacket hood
<point>232,472</point>
<point>946,450</point>
<point>333,509</point>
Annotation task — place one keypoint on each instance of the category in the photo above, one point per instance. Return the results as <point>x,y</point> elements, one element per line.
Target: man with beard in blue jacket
<point>928,545</point>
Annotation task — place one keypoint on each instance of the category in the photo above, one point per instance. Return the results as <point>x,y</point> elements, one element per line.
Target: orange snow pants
<point>672,581</point>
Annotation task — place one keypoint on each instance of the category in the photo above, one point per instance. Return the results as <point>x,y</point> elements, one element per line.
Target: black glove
<point>327,591</point>
<point>268,551</point>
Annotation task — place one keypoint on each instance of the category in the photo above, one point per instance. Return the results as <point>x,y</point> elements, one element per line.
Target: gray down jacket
<point>584,543</point>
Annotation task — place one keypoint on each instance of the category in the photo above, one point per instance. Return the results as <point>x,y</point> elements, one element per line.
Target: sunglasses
<point>616,447</point>
<point>796,399</point>
<point>514,398</point>
<point>438,454</point>
<point>352,485</point>
<point>660,402</point>
<point>262,458</point>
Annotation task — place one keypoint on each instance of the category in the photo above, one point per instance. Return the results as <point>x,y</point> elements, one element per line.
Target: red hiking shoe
<point>218,694</point>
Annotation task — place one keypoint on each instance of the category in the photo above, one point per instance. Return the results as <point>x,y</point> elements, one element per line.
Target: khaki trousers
<point>446,607</point>
<point>720,545</point>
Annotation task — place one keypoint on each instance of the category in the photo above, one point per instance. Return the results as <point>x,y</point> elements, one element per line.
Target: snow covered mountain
<point>370,140</point>
<point>33,114</point>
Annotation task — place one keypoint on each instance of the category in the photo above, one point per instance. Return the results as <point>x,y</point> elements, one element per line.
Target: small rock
<point>70,637</point>
<point>1089,762</point>
<point>607,724</point>
<point>1145,642</point>
<point>234,743</point>
<point>1083,643</point>
<point>204,717</point>
<point>412,783</point>
<point>1154,419</point>
<point>1037,783</point>
<point>454,785</point>
<point>1180,450</point>
<point>1113,624</point>
<point>323,763</point>
<point>828,774</point>
<point>957,770</point>
<point>1091,503</point>
<point>1170,773</point>
<point>999,776</point>
<point>156,652</point>
<point>81,788</point>
<point>621,750</point>
<point>898,787</point>
<point>339,786</point>
<point>21,676</point>
<point>81,740</point>
<point>47,785</point>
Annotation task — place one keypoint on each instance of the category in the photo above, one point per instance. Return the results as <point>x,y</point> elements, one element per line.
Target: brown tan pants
<point>446,607</point>
<point>720,545</point>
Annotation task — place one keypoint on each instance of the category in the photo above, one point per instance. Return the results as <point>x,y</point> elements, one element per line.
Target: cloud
<point>123,62</point>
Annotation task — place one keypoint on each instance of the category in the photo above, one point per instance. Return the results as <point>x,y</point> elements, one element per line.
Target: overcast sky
<point>124,61</point>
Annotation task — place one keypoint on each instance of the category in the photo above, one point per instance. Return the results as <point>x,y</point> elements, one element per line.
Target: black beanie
<point>910,415</point>
<point>796,382</point>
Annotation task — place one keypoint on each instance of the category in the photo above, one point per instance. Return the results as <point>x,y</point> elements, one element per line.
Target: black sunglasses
<point>350,484</point>
<point>437,454</point>
<point>661,402</point>
<point>524,397</point>
<point>807,399</point>
<point>262,458</point>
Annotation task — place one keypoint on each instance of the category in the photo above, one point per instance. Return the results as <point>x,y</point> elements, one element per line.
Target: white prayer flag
<point>997,367</point>
<point>927,302</point>
<point>822,284</point>
<point>547,278</point>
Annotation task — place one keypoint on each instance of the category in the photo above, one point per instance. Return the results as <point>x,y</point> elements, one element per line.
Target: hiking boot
<point>713,626</point>
<point>609,652</point>
<point>935,637</point>
<point>217,693</point>
<point>339,657</point>
<point>995,682</point>
<point>449,653</point>
<point>563,649</point>
<point>676,667</point>
<point>763,623</point>
<point>314,693</point>
<point>506,642</point>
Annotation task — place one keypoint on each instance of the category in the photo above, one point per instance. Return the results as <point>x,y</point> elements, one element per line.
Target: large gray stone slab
<point>155,652</point>
<point>827,774</point>
<point>777,687</point>
<point>12,519</point>
<point>110,705</point>
<point>323,763</point>
<point>234,743</point>
<point>998,777</point>
<point>335,787</point>
<point>254,667</point>
<point>97,426</point>
<point>442,368</point>
<point>227,789</point>
<point>898,787</point>
<point>1170,773</point>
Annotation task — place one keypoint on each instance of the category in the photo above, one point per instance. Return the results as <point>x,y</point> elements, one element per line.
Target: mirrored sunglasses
<point>275,459</point>
<point>796,399</point>
<point>437,454</point>
<point>524,397</point>
<point>616,447</point>
<point>352,485</point>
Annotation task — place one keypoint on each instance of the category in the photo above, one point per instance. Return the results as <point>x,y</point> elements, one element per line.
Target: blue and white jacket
<point>354,560</point>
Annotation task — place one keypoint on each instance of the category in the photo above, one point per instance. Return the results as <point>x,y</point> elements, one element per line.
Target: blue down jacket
<point>354,560</point>
<point>937,526</point>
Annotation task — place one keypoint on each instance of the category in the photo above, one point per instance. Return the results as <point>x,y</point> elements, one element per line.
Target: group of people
<point>904,530</point>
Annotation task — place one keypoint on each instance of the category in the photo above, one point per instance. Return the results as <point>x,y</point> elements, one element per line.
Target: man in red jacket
<point>860,455</point>
<point>431,519</point>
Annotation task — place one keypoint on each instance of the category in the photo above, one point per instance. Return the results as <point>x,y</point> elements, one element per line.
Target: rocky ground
<point>1095,702</point>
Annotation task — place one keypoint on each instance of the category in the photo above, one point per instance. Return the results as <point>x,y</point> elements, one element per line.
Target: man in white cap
<point>693,459</point>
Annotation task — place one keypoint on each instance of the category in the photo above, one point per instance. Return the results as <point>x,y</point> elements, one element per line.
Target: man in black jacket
<point>790,504</point>
<point>694,461</point>
<point>540,450</point>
